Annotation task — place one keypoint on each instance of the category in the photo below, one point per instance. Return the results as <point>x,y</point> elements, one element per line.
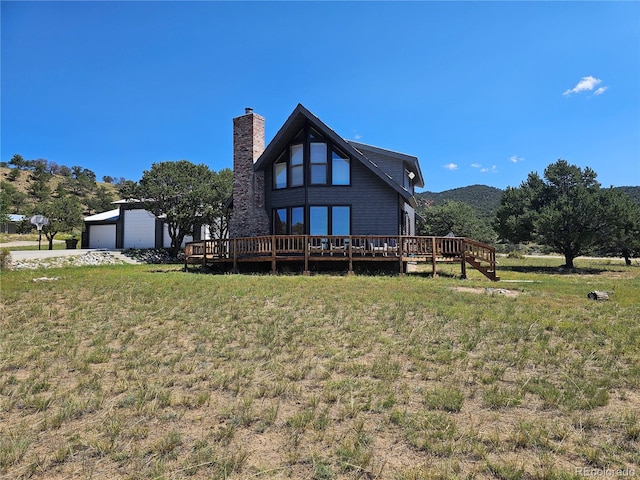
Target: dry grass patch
<point>117,372</point>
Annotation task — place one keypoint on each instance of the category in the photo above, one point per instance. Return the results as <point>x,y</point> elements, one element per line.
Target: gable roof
<point>104,216</point>
<point>410,161</point>
<point>296,121</point>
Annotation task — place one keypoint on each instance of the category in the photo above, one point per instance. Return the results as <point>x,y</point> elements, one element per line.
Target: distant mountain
<point>633,192</point>
<point>486,199</point>
<point>483,198</point>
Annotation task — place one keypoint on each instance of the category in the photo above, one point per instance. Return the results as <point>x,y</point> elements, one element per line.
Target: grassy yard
<point>58,241</point>
<point>141,372</point>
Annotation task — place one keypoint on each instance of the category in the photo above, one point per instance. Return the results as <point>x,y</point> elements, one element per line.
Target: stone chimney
<point>249,217</point>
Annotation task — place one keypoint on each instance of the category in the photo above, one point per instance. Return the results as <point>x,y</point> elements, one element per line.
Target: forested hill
<point>23,184</point>
<point>633,192</point>
<point>486,199</point>
<point>483,198</point>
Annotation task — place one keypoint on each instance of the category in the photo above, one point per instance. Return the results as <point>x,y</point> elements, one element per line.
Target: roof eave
<point>411,160</point>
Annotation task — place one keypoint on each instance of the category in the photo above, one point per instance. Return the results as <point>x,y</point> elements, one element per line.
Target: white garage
<point>139,229</point>
<point>125,227</point>
<point>102,236</point>
<point>101,229</point>
<point>166,239</point>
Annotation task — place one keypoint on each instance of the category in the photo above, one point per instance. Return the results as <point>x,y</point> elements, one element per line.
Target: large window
<point>297,221</point>
<point>323,220</point>
<point>280,221</point>
<point>334,220</point>
<point>311,160</point>
<point>297,165</point>
<point>340,220</point>
<point>340,169</point>
<point>318,220</point>
<point>288,221</point>
<point>280,173</point>
<point>318,163</point>
<point>288,170</point>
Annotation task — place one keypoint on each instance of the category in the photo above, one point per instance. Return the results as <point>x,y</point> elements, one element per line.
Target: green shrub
<point>5,258</point>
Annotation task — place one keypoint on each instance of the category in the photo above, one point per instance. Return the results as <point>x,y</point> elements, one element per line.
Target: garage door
<point>166,239</point>
<point>139,229</point>
<point>102,236</point>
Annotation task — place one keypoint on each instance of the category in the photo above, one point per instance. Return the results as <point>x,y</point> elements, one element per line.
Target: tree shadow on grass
<point>561,270</point>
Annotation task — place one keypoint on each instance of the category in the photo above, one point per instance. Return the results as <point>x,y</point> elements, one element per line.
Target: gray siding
<point>391,166</point>
<point>378,189</point>
<point>375,207</point>
<point>286,197</point>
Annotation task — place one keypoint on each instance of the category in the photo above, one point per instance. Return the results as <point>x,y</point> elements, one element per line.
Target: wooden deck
<point>310,249</point>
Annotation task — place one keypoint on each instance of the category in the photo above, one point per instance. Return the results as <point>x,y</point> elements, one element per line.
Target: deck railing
<point>479,251</point>
<point>354,247</point>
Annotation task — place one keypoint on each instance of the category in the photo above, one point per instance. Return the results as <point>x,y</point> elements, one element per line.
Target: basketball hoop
<point>39,221</point>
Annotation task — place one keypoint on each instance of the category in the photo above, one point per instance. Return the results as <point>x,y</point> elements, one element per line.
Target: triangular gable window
<point>299,138</point>
<point>313,135</point>
<point>280,172</point>
<point>310,159</point>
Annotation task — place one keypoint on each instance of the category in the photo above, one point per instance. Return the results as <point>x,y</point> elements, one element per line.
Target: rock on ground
<point>88,259</point>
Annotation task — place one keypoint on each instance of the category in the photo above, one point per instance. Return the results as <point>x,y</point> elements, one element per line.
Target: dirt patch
<point>488,291</point>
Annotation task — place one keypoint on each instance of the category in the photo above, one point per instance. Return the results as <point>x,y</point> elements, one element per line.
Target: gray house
<point>309,180</point>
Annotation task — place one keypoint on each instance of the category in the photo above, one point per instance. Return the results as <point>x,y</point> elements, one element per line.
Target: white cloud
<point>516,159</point>
<point>601,90</point>
<point>476,165</point>
<point>586,84</point>
<point>493,169</point>
<point>450,166</point>
<point>484,170</point>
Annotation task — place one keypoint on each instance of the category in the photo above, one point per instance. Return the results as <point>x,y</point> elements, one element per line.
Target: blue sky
<point>480,92</point>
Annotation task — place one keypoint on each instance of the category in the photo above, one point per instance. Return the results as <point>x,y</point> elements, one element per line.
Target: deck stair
<point>487,270</point>
<point>480,256</point>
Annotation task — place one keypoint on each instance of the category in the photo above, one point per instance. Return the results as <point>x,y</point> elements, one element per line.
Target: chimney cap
<point>248,110</point>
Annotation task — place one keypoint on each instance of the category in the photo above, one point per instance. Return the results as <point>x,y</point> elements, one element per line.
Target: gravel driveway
<point>30,255</point>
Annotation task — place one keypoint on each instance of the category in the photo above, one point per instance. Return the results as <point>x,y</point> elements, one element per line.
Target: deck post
<point>433,257</point>
<point>350,256</point>
<point>400,254</point>
<point>306,255</point>
<point>463,259</point>
<point>273,255</point>
<point>493,265</point>
<point>204,257</point>
<point>235,255</point>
